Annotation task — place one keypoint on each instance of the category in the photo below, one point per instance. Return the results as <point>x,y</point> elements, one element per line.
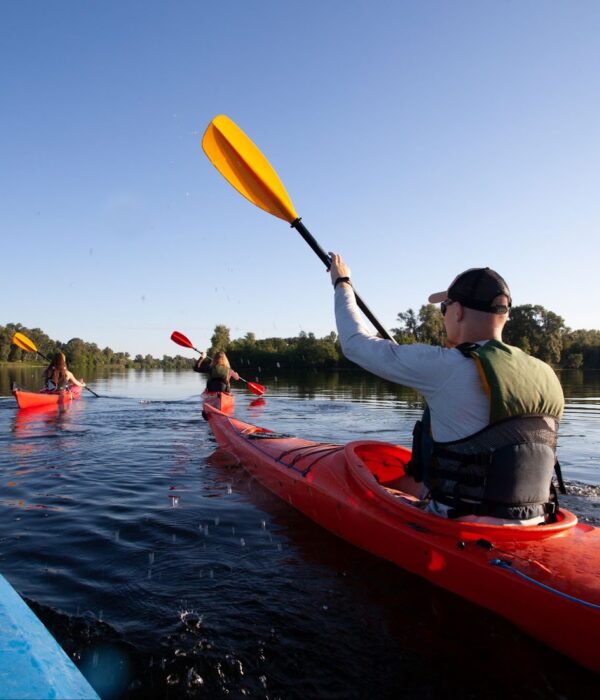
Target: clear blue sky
<point>416,138</point>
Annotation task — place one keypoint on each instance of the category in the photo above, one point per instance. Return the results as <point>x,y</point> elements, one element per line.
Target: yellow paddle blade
<point>242,164</point>
<point>23,342</point>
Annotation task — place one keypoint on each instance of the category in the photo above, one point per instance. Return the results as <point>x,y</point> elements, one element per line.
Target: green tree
<point>220,339</point>
<point>407,331</point>
<point>75,352</point>
<point>426,327</point>
<point>574,360</point>
<point>537,331</point>
<point>431,328</point>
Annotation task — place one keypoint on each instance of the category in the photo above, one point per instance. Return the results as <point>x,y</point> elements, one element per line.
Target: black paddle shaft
<point>308,237</point>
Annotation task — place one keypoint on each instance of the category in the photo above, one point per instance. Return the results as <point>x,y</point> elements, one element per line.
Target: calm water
<point>166,574</point>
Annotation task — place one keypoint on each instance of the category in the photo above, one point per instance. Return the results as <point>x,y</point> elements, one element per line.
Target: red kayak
<point>32,399</point>
<point>545,578</point>
<point>222,400</point>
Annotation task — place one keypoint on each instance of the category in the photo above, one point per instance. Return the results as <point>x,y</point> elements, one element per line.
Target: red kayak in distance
<point>33,399</point>
<point>543,578</point>
<point>222,400</point>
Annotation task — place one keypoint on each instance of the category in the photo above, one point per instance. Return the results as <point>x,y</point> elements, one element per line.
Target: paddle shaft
<point>308,237</point>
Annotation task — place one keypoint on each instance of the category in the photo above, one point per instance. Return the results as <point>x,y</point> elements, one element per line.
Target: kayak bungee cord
<point>503,564</point>
<point>317,449</point>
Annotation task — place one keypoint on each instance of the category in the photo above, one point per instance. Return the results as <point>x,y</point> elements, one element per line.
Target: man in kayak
<point>485,449</point>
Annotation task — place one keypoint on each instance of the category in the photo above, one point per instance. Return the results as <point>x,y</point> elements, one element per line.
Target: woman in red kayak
<point>58,377</point>
<point>218,369</point>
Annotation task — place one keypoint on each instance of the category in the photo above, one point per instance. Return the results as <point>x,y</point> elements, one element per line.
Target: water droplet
<point>194,678</point>
<point>151,558</point>
<point>205,530</point>
<point>229,490</point>
<point>217,521</point>
<point>242,541</point>
<point>263,524</point>
<point>325,607</point>
<point>117,535</point>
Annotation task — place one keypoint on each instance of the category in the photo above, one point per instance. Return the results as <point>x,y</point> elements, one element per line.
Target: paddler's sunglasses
<point>444,305</point>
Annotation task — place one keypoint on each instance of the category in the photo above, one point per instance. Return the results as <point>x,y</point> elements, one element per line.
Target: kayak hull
<point>32,664</point>
<point>33,399</point>
<point>545,579</point>
<point>222,400</point>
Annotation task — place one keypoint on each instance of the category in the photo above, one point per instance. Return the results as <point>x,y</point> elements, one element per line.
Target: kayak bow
<point>222,400</point>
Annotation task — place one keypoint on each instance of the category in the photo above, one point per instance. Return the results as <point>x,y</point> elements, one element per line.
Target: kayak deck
<point>222,400</point>
<point>32,664</point>
<point>545,578</point>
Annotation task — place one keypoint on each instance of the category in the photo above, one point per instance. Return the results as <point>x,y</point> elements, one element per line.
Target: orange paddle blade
<point>23,342</point>
<point>242,164</point>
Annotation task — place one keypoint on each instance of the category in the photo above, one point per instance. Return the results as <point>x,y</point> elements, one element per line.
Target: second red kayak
<point>32,399</point>
<point>222,400</point>
<point>545,578</point>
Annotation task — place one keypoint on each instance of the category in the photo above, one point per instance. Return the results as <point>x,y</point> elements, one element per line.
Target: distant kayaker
<point>485,449</point>
<point>57,375</point>
<point>218,369</point>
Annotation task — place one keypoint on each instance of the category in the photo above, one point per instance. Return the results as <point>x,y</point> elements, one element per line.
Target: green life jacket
<point>504,470</point>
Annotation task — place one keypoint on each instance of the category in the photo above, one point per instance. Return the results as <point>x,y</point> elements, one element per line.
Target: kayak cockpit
<point>378,468</point>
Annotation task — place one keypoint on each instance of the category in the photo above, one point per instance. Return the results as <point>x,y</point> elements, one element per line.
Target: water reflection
<point>44,421</point>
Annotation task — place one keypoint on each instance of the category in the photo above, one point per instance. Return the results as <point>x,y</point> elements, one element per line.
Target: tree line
<point>534,329</point>
<point>538,331</point>
<point>79,352</point>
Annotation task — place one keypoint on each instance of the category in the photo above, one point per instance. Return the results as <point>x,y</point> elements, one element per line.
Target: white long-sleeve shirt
<point>448,380</point>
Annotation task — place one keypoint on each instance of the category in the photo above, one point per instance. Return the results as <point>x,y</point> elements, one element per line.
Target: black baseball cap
<point>476,289</point>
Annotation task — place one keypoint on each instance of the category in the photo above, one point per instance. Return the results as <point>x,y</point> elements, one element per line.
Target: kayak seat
<point>407,498</point>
